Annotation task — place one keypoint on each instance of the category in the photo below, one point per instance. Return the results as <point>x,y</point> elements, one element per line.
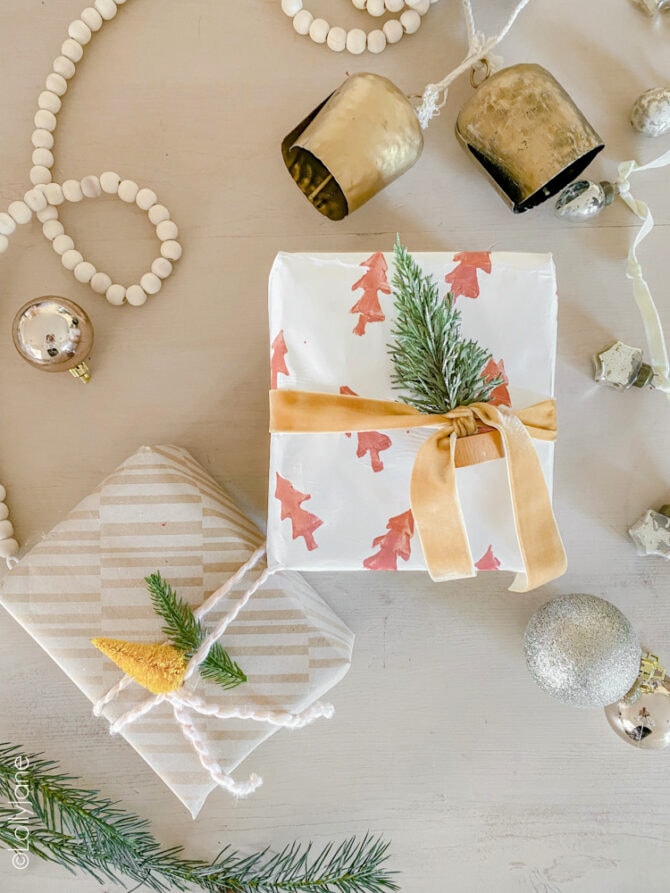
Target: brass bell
<point>55,335</point>
<point>361,138</point>
<point>527,133</point>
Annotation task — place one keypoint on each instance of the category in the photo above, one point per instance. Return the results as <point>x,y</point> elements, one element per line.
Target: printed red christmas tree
<point>372,282</point>
<point>392,545</point>
<point>488,561</point>
<point>277,362</point>
<point>500,395</point>
<point>372,442</point>
<point>463,278</point>
<point>303,523</point>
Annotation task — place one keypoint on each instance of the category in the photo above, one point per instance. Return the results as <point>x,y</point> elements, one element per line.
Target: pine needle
<point>80,830</point>
<point>437,368</point>
<point>186,633</point>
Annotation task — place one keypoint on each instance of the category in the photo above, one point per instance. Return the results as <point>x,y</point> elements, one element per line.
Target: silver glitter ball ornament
<point>582,650</point>
<point>644,723</point>
<point>55,335</point>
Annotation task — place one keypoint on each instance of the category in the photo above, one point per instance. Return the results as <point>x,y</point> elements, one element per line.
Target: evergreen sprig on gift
<point>434,365</point>
<point>187,634</point>
<point>79,829</point>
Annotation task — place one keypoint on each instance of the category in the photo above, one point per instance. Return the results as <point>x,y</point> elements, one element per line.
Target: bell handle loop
<point>479,72</point>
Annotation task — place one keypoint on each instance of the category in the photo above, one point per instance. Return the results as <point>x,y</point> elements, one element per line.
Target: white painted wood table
<point>440,741</point>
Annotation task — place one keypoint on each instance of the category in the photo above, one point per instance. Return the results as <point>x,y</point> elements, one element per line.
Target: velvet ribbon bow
<point>433,491</point>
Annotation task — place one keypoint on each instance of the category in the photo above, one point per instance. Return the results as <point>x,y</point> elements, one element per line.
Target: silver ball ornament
<point>55,335</point>
<point>582,650</point>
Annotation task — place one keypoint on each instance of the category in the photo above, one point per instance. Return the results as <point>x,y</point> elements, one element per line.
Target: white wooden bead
<point>109,182</point>
<point>100,282</point>
<point>92,18</point>
<point>42,139</point>
<point>62,243</point>
<point>291,7</point>
<point>421,6</point>
<point>158,213</point>
<point>411,21</point>
<point>337,39</point>
<point>7,224</point>
<point>3,493</point>
<point>128,190</point>
<point>79,31</point>
<point>4,511</point>
<point>302,21</point>
<point>167,229</point>
<point>90,186</point>
<point>8,548</point>
<point>135,295</point>
<point>116,294</point>
<point>376,7</point>
<point>72,50</point>
<point>151,283</point>
<point>393,30</point>
<point>376,41</point>
<point>40,174</point>
<point>52,229</point>
<point>64,67</point>
<point>4,244</point>
<point>49,213</point>
<point>145,199</point>
<point>361,4</point>
<point>35,199</point>
<point>356,41</point>
<point>84,271</point>
<point>43,156</point>
<point>45,120</point>
<point>54,193</point>
<point>6,530</point>
<point>161,267</point>
<point>20,212</point>
<point>49,101</point>
<point>318,30</point>
<point>56,83</point>
<point>70,258</point>
<point>171,249</point>
<point>395,5</point>
<point>72,191</point>
<point>106,8</point>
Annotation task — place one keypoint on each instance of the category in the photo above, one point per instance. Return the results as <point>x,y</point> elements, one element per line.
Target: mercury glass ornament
<point>651,533</point>
<point>584,199</point>
<point>651,113</point>
<point>55,335</point>
<point>653,7</point>
<point>582,650</point>
<point>620,366</point>
<point>642,718</point>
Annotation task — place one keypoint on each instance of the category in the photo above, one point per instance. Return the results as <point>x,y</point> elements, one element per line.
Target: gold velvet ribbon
<point>433,492</point>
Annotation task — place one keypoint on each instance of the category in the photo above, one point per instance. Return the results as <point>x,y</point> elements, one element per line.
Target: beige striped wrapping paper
<point>160,510</point>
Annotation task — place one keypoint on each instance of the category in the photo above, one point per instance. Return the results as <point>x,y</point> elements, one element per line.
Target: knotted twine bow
<point>433,491</point>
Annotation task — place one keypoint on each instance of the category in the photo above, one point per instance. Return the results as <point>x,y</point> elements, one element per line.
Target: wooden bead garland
<point>45,195</point>
<point>8,545</point>
<point>356,41</point>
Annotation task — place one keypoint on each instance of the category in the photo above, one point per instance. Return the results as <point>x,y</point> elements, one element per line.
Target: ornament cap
<point>527,133</point>
<point>82,372</point>
<point>356,142</point>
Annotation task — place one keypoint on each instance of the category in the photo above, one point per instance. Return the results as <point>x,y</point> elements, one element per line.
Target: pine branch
<point>187,634</point>
<point>437,367</point>
<point>79,829</point>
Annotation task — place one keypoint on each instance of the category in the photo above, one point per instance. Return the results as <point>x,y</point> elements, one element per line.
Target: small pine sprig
<point>81,830</point>
<point>187,634</point>
<point>436,367</point>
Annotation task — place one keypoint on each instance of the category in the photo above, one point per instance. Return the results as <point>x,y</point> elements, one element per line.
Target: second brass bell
<point>527,133</point>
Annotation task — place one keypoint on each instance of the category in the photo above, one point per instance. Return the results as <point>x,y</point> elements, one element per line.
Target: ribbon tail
<point>437,510</point>
<point>540,543</point>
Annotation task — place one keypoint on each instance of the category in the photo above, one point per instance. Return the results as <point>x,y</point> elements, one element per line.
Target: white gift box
<point>340,501</point>
<point>160,510</point>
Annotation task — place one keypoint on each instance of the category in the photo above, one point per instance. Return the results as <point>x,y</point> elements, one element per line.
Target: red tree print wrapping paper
<point>340,501</point>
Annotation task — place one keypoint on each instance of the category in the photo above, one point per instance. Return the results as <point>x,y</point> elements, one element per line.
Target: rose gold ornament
<point>54,335</point>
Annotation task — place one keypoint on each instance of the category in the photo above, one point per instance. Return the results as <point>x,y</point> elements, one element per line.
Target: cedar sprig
<point>80,830</point>
<point>436,367</point>
<point>187,634</point>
